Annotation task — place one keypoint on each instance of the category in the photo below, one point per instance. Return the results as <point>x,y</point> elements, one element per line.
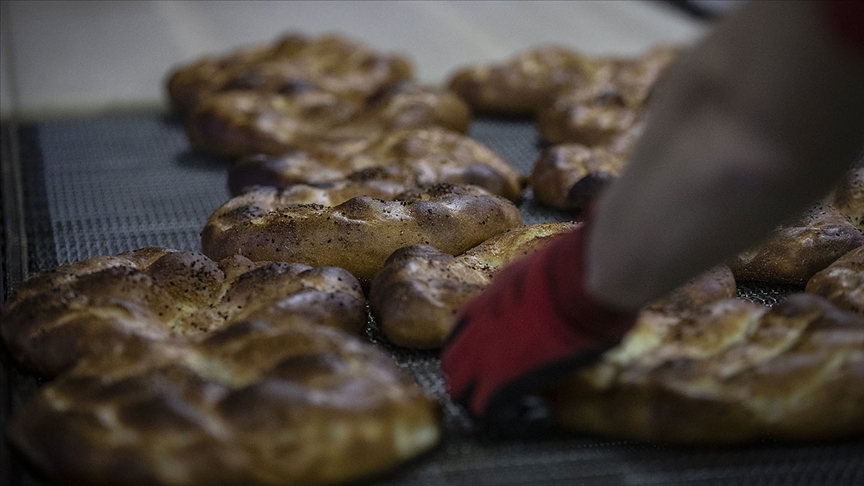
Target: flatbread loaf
<point>796,251</point>
<point>595,126</point>
<point>420,289</point>
<point>842,282</point>
<point>358,234</point>
<point>417,295</point>
<point>570,176</point>
<point>394,163</point>
<point>597,112</point>
<point>91,307</point>
<point>736,371</point>
<point>175,369</point>
<point>521,84</point>
<point>242,123</point>
<point>290,65</point>
<point>848,196</point>
<point>252,403</point>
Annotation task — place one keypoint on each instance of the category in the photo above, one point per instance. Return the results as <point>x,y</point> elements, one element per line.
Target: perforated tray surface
<point>108,184</point>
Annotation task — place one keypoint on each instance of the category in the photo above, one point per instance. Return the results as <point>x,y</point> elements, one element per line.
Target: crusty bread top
<point>291,64</point>
<point>848,197</point>
<point>160,295</point>
<point>382,168</point>
<point>252,403</point>
<point>517,86</point>
<point>419,290</point>
<point>359,234</point>
<point>243,123</point>
<point>736,371</point>
<point>595,112</point>
<point>842,282</point>
<point>796,251</point>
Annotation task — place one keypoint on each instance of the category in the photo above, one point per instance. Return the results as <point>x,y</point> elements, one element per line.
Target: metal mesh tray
<point>107,184</point>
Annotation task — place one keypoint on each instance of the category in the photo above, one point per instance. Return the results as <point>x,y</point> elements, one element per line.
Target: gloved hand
<point>532,325</point>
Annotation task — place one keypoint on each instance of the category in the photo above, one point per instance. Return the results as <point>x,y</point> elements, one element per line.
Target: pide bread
<point>252,403</point>
<point>591,113</point>
<point>417,295</point>
<point>400,159</point>
<point>733,371</point>
<point>848,196</point>
<point>88,308</point>
<point>171,368</point>
<point>242,123</point>
<point>290,65</point>
<point>595,113</point>
<point>570,176</point>
<point>420,289</point>
<point>797,250</point>
<point>522,83</point>
<point>358,234</point>
<point>842,282</point>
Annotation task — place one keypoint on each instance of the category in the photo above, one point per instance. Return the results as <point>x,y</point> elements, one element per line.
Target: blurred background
<point>66,58</point>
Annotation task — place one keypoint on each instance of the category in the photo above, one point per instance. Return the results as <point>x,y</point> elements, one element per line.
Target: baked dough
<point>241,123</point>
<point>89,308</point>
<point>536,78</point>
<point>359,234</point>
<point>736,371</point>
<point>595,124</point>
<point>519,85</point>
<point>716,284</point>
<point>796,251</point>
<point>291,65</point>
<point>416,296</point>
<point>394,163</point>
<point>253,403</point>
<point>848,196</point>
<point>570,176</point>
<point>418,292</point>
<point>597,112</point>
<point>842,282</point>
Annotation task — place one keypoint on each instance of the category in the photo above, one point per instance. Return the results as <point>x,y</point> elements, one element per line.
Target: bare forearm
<point>749,129</point>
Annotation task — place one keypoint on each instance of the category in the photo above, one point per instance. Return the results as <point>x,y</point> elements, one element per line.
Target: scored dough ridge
<point>394,163</point>
<point>416,295</point>
<point>733,371</point>
<point>155,295</point>
<point>359,234</point>
<point>171,368</point>
<point>251,404</point>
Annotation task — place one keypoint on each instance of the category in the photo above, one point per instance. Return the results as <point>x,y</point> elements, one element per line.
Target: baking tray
<point>83,187</point>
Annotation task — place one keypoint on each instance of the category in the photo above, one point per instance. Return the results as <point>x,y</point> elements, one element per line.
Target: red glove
<point>534,324</point>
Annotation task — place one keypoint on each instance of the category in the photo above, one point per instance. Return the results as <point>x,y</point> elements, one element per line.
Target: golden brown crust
<point>736,372</point>
<point>594,113</point>
<point>796,251</point>
<point>569,177</point>
<point>292,64</point>
<point>394,163</point>
<point>251,404</point>
<point>716,284</point>
<point>238,123</point>
<point>519,85</point>
<point>159,295</point>
<point>241,123</point>
<point>842,282</point>
<point>419,290</point>
<point>359,234</point>
<point>848,197</point>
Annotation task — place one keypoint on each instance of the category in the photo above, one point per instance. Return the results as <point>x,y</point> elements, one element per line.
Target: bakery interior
<point>94,163</point>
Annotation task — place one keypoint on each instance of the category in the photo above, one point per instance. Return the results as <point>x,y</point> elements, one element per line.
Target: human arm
<point>747,131</point>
